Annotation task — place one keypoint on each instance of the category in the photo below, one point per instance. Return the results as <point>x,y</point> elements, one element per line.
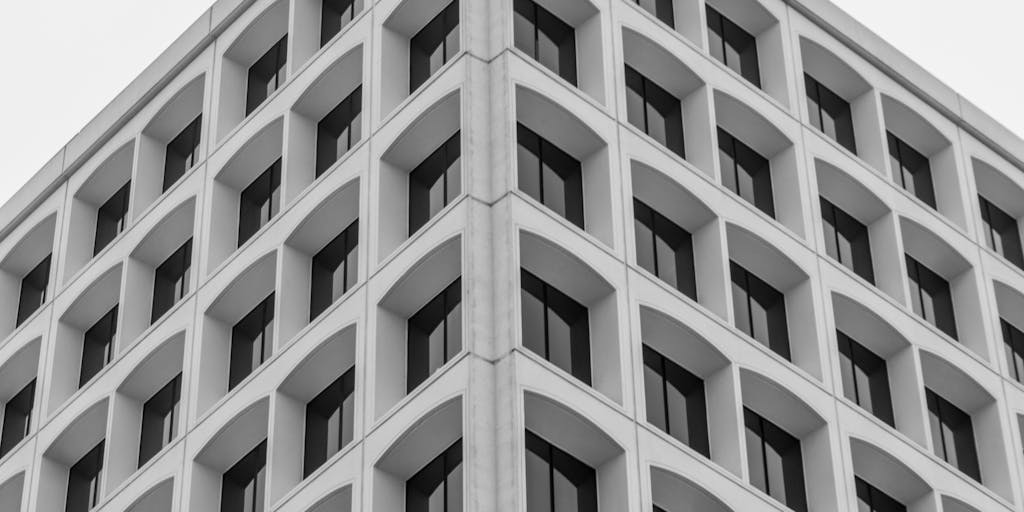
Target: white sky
<point>81,53</point>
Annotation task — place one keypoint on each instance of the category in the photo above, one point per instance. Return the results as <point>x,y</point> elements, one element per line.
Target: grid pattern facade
<point>518,255</point>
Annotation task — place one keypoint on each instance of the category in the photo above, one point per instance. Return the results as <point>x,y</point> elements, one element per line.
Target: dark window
<point>17,418</point>
<point>745,172</point>
<point>865,378</point>
<point>662,9</point>
<point>334,15</point>
<point>550,175</point>
<point>733,46</point>
<point>546,38</point>
<point>556,481</point>
<point>675,400</point>
<point>830,113</point>
<point>170,281</point>
<point>930,297</point>
<point>1013,341</point>
<point>329,422</point>
<point>266,75</point>
<point>252,341</point>
<point>912,170</point>
<point>435,44</point>
<point>243,487</point>
<point>160,420</point>
<point>335,270</point>
<point>664,249</point>
<point>33,290</point>
<point>435,334</point>
<point>84,481</point>
<point>259,202</point>
<point>1001,232</point>
<point>339,130</point>
<point>555,326</point>
<point>952,435</point>
<point>111,218</point>
<point>847,240</point>
<point>438,486</point>
<point>655,111</point>
<point>435,183</point>
<point>182,153</point>
<point>760,310</point>
<point>870,499</point>
<point>98,346</point>
<point>775,461</point>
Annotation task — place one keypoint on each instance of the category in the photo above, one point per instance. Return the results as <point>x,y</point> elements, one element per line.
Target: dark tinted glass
<point>830,113</point>
<point>556,481</point>
<point>1013,342</point>
<point>847,241</point>
<point>182,153</point>
<point>17,418</point>
<point>84,481</point>
<point>662,9</point>
<point>655,111</point>
<point>775,461</point>
<point>243,486</point>
<point>438,486</point>
<point>930,297</point>
<point>952,435</point>
<point>870,499</point>
<point>760,310</point>
<point>865,378</point>
<point>435,183</point>
<point>435,44</point>
<point>664,249</point>
<point>675,400</point>
<point>335,269</point>
<point>98,346</point>
<point>339,130</point>
<point>334,15</point>
<point>252,341</point>
<point>555,326</point>
<point>170,281</point>
<point>111,218</point>
<point>1001,232</point>
<point>435,334</point>
<point>329,421</point>
<point>160,420</point>
<point>266,75</point>
<point>733,46</point>
<point>33,290</point>
<point>550,175</point>
<point>912,170</point>
<point>546,38</point>
<point>745,172</point>
<point>259,202</point>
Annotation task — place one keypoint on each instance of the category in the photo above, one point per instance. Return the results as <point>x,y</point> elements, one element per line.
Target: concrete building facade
<point>519,255</point>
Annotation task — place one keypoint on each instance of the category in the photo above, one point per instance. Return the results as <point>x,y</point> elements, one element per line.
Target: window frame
<point>175,280</point>
<point>17,422</point>
<point>259,202</point>
<point>340,255</point>
<point>868,495</point>
<point>686,384</point>
<point>342,12</point>
<point>425,322</point>
<point>266,75</point>
<point>732,36</point>
<point>660,9</point>
<point>346,115</point>
<point>111,218</point>
<point>1013,344</point>
<point>182,152</point>
<point>249,470</point>
<point>943,318</point>
<point>820,100</point>
<point>790,450</point>
<point>670,109</point>
<point>548,156</point>
<point>444,161</point>
<point>856,360</point>
<point>554,301</point>
<point>573,470</point>
<point>844,227</point>
<point>543,22</point>
<point>85,479</point>
<point>663,229</point>
<point>433,35</point>
<point>336,398</point>
<point>917,181</point>
<point>34,288</point>
<point>99,337</point>
<point>944,416</point>
<point>996,221</point>
<point>757,168</point>
<point>160,410</point>
<point>247,345</point>
<point>777,323</point>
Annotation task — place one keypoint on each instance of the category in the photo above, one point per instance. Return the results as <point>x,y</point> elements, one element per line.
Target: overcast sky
<point>64,60</point>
